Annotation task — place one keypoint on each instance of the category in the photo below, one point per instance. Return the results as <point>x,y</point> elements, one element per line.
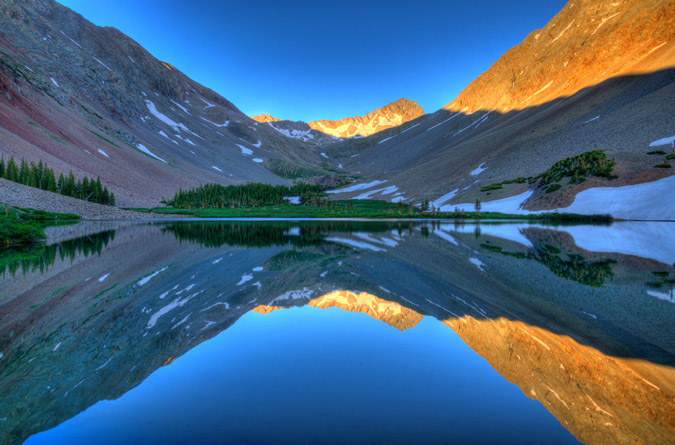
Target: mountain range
<point>598,76</point>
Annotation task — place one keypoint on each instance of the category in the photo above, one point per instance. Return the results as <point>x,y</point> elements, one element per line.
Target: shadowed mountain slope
<point>91,99</point>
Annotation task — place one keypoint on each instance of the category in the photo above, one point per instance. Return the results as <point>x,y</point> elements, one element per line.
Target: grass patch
<point>656,152</point>
<point>367,209</point>
<point>104,138</point>
<point>17,232</point>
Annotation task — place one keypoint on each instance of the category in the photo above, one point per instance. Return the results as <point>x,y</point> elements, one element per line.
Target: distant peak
<point>262,118</point>
<point>391,115</point>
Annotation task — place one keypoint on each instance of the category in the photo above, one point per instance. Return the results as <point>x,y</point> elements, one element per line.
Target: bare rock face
<point>262,118</point>
<point>587,42</point>
<point>392,115</point>
<point>598,398</point>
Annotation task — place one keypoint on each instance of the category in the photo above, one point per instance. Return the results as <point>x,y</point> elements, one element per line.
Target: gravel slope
<point>18,195</point>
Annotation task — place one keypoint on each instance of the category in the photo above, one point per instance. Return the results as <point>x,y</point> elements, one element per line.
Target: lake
<point>339,332</point>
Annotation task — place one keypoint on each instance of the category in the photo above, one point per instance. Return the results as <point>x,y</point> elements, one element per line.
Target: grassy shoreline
<point>364,209</point>
<point>20,227</point>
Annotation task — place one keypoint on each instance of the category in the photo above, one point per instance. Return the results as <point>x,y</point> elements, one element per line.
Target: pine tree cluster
<point>42,177</point>
<point>216,196</point>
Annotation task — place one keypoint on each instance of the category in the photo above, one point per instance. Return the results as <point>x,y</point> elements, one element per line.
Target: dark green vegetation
<point>215,196</point>
<point>40,256</point>
<point>17,232</point>
<point>367,209</point>
<point>42,177</point>
<point>577,168</point>
<point>254,234</point>
<point>20,227</point>
<point>565,265</point>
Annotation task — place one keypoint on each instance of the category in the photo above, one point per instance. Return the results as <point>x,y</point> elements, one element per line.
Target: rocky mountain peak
<point>587,42</point>
<point>391,115</point>
<point>262,118</point>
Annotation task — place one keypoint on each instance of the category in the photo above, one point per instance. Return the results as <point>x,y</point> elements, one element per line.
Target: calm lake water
<point>339,332</point>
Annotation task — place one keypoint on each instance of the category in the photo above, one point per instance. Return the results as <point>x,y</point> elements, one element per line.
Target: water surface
<point>340,332</point>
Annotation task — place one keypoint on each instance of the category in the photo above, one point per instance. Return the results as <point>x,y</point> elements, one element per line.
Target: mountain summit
<point>391,115</point>
<point>586,43</point>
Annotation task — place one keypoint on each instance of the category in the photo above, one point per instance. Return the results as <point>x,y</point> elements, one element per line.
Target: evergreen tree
<point>50,182</point>
<point>23,172</point>
<point>86,189</point>
<point>12,172</point>
<point>2,166</point>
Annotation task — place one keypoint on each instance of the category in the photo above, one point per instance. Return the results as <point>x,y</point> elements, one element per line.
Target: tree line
<point>216,196</point>
<point>42,177</point>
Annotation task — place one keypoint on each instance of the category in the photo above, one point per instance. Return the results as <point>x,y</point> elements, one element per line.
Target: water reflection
<point>565,323</point>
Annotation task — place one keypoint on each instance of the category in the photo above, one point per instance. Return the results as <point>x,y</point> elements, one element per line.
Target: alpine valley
<point>598,76</point>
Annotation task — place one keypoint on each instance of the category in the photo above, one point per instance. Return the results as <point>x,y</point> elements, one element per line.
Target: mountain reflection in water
<point>585,330</point>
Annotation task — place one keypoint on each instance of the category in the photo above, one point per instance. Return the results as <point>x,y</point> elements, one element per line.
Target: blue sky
<point>309,60</point>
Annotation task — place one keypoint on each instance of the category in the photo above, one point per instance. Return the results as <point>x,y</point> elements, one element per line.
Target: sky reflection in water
<point>307,374</point>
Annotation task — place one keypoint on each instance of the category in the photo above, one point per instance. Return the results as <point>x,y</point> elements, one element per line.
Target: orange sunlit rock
<point>587,42</point>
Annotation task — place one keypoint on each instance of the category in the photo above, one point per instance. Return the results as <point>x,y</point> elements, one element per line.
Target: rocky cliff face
<point>587,42</point>
<point>392,115</point>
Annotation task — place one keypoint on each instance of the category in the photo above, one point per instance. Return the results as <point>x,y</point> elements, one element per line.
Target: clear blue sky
<point>309,60</point>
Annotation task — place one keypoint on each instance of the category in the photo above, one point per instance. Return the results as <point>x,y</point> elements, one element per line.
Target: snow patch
<point>216,168</point>
<point>244,150</point>
<point>180,106</point>
<point>512,205</point>
<point>447,197</point>
<point>217,125</point>
<point>302,294</point>
<point>354,243</point>
<point>662,296</point>
<point>145,150</point>
<point>54,82</point>
<point>102,279</point>
<point>478,170</point>
<point>544,88</point>
<point>167,120</point>
<point>324,155</point>
<point>258,160</point>
<point>70,39</point>
<point>641,201</point>
<point>664,141</point>
<point>441,123</point>
<point>591,120</point>
<point>383,191</point>
<point>478,263</point>
<point>106,66</point>
<point>292,199</point>
<point>103,153</point>
<point>356,187</point>
<point>144,280</point>
<point>244,278</point>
